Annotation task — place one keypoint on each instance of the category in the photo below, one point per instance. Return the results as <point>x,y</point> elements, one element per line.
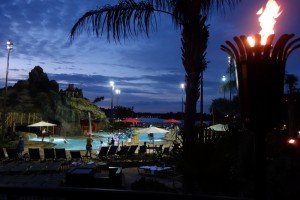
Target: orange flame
<point>267,21</point>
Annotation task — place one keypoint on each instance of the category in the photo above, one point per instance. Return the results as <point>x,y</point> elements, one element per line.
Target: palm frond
<point>123,20</point>
<point>208,5</point>
<point>183,9</point>
<point>98,99</point>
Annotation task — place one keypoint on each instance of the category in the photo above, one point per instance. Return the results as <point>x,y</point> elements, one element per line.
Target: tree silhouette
<point>98,99</point>
<point>291,81</point>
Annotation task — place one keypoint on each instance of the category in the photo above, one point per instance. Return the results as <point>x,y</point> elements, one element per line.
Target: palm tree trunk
<point>192,92</point>
<point>201,98</point>
<point>194,44</point>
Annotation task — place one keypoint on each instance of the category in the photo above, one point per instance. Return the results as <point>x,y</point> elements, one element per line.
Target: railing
<point>61,193</point>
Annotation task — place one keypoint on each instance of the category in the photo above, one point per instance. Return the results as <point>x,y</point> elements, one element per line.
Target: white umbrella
<point>153,129</point>
<point>218,127</point>
<point>41,124</point>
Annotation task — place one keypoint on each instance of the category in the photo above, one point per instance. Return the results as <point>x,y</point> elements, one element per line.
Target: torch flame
<point>267,21</point>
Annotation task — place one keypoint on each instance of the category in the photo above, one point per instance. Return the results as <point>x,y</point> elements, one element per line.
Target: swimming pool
<point>79,144</point>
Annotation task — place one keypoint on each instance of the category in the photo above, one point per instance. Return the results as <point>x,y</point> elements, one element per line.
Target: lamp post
<point>112,85</point>
<point>9,47</point>
<point>118,92</point>
<point>230,72</point>
<point>182,102</point>
<point>224,87</point>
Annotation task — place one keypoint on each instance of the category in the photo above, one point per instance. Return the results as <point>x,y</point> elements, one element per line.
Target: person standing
<point>112,141</point>
<point>100,146</point>
<point>89,146</point>
<point>20,147</point>
<point>43,134</point>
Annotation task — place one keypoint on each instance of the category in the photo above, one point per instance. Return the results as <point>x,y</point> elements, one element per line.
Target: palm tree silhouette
<point>130,18</point>
<point>291,81</point>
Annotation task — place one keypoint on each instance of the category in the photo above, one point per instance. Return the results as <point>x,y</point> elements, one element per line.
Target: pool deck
<point>57,179</point>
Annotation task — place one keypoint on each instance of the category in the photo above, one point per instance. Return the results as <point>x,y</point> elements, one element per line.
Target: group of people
<point>89,144</point>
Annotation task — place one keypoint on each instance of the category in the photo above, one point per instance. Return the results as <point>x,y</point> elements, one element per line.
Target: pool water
<point>79,144</point>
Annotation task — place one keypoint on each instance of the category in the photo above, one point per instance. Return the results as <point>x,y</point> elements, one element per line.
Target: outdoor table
<point>155,169</point>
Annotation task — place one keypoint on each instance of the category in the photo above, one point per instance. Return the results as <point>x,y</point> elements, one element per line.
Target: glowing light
<point>291,141</point>
<point>251,41</point>
<point>267,21</point>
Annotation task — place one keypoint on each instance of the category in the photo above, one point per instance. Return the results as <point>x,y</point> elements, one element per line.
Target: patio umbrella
<point>172,121</point>
<point>218,127</point>
<point>41,124</point>
<point>153,129</point>
<point>131,120</point>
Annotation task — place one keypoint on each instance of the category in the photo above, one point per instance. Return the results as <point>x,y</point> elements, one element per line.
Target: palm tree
<point>98,99</point>
<point>291,81</point>
<point>130,18</point>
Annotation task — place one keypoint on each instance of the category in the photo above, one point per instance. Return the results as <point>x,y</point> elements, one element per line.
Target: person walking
<point>89,146</point>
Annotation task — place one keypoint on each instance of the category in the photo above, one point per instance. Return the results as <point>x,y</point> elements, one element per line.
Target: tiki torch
<point>260,69</point>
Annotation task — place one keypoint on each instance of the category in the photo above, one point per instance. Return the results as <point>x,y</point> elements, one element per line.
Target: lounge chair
<point>132,149</point>
<point>19,167</point>
<point>75,155</point>
<point>123,150</point>
<point>34,154</point>
<point>103,152</point>
<point>15,165</point>
<point>60,154</point>
<point>38,167</point>
<point>6,167</point>
<point>12,153</point>
<point>142,150</point>
<point>3,157</point>
<point>49,154</point>
<point>56,166</point>
<point>112,150</point>
<point>76,159</point>
<point>37,164</point>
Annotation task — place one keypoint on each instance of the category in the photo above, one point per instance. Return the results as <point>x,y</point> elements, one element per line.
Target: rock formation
<point>40,95</point>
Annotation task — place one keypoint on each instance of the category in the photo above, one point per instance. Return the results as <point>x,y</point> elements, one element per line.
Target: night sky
<point>148,71</point>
